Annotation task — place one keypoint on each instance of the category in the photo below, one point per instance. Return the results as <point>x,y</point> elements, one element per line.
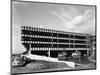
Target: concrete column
<point>74,41</point>
<point>49,53</point>
<point>29,52</point>
<point>87,52</point>
<point>76,50</point>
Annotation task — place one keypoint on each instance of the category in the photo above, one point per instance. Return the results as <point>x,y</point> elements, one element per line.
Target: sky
<point>64,17</point>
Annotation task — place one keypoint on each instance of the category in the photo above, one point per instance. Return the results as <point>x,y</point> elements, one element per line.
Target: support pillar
<point>76,50</point>
<point>87,52</point>
<point>49,53</point>
<point>29,52</point>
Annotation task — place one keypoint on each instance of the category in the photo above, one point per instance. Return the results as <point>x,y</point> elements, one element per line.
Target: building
<point>93,45</point>
<point>50,42</point>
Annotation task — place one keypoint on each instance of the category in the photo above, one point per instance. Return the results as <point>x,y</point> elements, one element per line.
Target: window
<point>63,35</point>
<point>54,34</point>
<point>80,46</point>
<point>78,41</point>
<point>80,37</point>
<point>63,41</point>
<point>71,46</point>
<point>71,41</point>
<point>71,36</point>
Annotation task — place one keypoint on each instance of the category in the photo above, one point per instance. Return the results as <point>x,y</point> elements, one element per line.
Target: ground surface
<point>34,66</point>
<point>39,66</point>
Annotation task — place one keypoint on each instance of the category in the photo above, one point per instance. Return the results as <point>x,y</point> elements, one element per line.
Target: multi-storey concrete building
<point>50,42</point>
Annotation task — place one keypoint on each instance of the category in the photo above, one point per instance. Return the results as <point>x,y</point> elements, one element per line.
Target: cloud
<point>78,19</point>
<point>77,23</point>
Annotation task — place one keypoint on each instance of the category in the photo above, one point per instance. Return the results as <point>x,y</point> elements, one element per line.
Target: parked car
<point>76,55</point>
<point>62,56</point>
<point>18,61</point>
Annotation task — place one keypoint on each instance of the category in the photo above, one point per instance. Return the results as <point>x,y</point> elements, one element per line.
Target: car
<point>18,61</point>
<point>76,55</point>
<point>62,56</point>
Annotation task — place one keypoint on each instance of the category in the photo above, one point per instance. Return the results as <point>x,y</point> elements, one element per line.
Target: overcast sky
<point>71,18</point>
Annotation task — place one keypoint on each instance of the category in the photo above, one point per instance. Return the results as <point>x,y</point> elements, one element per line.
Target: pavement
<point>41,66</point>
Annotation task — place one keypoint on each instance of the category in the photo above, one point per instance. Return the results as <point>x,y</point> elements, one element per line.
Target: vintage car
<point>18,61</point>
<point>76,55</point>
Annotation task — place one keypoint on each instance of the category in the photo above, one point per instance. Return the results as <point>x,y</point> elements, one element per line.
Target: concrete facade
<point>50,42</point>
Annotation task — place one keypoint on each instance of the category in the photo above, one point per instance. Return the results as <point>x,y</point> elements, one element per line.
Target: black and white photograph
<point>51,37</point>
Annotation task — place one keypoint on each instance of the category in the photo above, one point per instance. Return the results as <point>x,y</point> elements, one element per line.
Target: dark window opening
<point>63,35</point>
<point>54,40</point>
<point>23,38</point>
<point>27,32</point>
<point>78,41</point>
<point>41,39</point>
<point>54,34</point>
<point>41,45</point>
<point>71,41</point>
<point>80,46</point>
<point>63,46</point>
<point>71,36</point>
<point>80,37</point>
<point>55,45</point>
<point>71,46</point>
<point>63,41</point>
